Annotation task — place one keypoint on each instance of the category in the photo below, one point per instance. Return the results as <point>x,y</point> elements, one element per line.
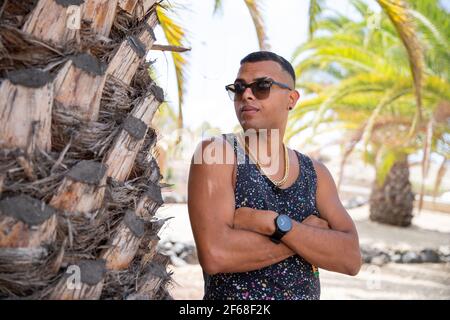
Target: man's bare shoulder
<point>213,151</point>
<point>324,177</point>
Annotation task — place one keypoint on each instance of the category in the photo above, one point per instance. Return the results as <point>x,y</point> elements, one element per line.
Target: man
<point>257,227</point>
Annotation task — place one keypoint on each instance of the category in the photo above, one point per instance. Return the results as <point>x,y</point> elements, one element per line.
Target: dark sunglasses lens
<point>261,89</point>
<point>238,90</point>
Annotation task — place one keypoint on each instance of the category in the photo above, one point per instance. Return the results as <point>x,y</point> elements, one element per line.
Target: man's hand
<point>314,221</point>
<point>259,221</point>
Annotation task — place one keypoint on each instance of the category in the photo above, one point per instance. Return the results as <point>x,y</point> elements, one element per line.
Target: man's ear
<point>293,98</point>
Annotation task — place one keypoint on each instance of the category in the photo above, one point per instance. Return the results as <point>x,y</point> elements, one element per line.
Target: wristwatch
<point>283,225</point>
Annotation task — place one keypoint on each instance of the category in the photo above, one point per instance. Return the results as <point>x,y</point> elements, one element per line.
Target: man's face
<point>272,111</point>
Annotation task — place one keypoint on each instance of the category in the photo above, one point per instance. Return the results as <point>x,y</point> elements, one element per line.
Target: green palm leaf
<point>175,35</point>
<point>254,7</point>
<point>315,8</point>
<point>401,18</point>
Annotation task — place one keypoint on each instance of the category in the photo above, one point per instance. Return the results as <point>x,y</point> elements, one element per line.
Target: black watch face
<point>284,223</point>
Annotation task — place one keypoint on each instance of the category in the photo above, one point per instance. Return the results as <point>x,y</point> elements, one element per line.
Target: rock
<point>354,202</point>
<point>411,257</point>
<point>380,259</point>
<point>429,255</point>
<point>444,250</point>
<point>178,248</point>
<point>190,256</point>
<point>166,246</point>
<point>396,258</point>
<point>177,262</point>
<point>369,253</point>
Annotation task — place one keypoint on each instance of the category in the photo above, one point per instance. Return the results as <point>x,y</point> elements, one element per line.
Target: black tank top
<point>292,278</point>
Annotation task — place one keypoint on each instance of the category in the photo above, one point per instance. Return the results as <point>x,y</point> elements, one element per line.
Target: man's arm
<point>211,206</point>
<point>335,248</point>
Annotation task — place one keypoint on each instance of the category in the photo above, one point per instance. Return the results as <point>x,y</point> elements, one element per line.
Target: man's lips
<point>249,109</point>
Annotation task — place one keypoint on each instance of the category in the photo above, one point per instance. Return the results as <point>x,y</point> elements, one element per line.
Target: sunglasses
<point>260,88</point>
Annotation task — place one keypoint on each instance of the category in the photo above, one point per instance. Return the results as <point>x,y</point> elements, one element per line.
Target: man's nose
<point>248,94</point>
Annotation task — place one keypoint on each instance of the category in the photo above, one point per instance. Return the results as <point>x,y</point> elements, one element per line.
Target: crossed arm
<point>230,240</point>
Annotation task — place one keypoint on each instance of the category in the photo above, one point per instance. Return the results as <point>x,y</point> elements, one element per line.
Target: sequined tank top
<point>292,278</point>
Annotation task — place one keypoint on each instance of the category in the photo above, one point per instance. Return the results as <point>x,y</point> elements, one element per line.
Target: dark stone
<point>191,257</point>
<point>66,3</point>
<point>87,171</point>
<point>411,257</point>
<point>380,259</point>
<point>396,258</point>
<point>89,63</point>
<point>158,93</point>
<point>178,248</point>
<point>135,127</point>
<point>429,255</point>
<point>177,261</point>
<point>137,46</point>
<point>31,211</point>
<point>31,78</point>
<point>92,271</point>
<point>134,223</point>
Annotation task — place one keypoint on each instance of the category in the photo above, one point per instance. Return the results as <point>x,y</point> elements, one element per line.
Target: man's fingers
<point>314,221</point>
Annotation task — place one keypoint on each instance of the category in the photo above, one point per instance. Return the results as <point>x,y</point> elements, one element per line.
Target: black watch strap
<point>278,234</point>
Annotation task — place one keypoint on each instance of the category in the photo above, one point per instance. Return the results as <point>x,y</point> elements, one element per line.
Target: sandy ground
<point>391,281</point>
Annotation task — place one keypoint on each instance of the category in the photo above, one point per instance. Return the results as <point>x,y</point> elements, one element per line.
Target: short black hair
<point>270,56</point>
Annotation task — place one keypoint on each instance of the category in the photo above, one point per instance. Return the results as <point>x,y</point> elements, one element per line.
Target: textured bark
<point>25,111</point>
<point>131,52</point>
<point>84,283</point>
<point>136,8</point>
<point>78,87</point>
<point>151,281</point>
<point>55,21</point>
<point>101,14</point>
<point>125,242</point>
<point>392,203</point>
<point>26,223</point>
<point>83,189</point>
<point>121,157</point>
<point>129,234</point>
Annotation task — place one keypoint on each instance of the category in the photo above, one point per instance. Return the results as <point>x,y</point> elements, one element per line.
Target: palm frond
<point>389,97</point>
<point>175,36</point>
<point>315,9</point>
<point>254,7</point>
<point>398,13</point>
<point>218,6</point>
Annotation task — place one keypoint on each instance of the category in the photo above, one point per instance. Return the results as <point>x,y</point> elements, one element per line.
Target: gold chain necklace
<point>278,183</point>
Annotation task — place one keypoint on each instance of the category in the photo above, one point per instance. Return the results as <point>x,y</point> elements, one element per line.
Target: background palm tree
<point>370,90</point>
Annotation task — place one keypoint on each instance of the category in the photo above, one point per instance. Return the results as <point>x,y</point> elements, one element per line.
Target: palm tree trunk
<point>392,203</point>
<point>79,186</point>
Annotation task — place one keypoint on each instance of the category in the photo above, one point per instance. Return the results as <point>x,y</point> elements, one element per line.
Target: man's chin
<point>252,125</point>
